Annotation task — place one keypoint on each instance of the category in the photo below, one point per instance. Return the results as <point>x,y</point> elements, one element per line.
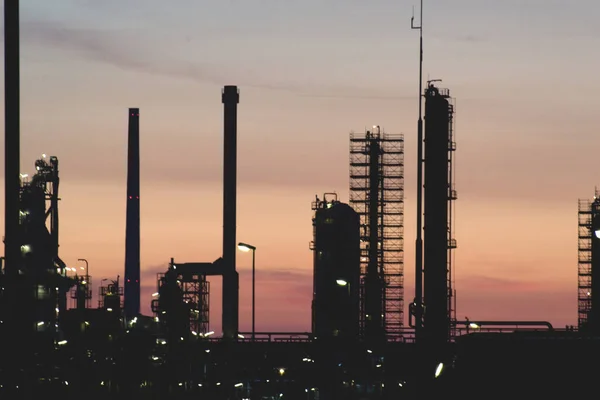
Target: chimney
<point>230,98</point>
<point>132,229</point>
<point>12,147</point>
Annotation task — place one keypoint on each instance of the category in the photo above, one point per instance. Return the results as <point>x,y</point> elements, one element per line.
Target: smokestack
<point>12,148</point>
<point>230,98</point>
<point>132,230</point>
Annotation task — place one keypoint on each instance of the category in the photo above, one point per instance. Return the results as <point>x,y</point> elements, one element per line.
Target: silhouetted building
<point>336,245</point>
<point>42,273</point>
<point>589,265</point>
<point>438,198</point>
<point>181,304</point>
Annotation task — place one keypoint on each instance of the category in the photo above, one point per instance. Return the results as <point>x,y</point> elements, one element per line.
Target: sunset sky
<point>524,74</point>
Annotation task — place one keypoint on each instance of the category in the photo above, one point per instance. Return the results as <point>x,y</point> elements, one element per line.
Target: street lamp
<point>246,248</point>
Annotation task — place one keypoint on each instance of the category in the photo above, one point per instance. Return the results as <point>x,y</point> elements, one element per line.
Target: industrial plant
<point>366,340</point>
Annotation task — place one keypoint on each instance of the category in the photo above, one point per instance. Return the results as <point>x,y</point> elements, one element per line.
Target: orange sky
<point>526,132</point>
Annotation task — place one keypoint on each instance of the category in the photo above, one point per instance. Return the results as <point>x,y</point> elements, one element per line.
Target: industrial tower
<point>132,229</point>
<point>439,196</point>
<point>336,273</point>
<point>377,195</point>
<point>231,279</point>
<point>41,284</point>
<point>589,265</point>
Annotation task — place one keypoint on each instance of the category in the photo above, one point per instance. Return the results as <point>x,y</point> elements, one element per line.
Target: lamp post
<point>248,247</point>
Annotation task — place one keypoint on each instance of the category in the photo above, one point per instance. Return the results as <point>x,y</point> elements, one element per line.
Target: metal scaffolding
<point>111,295</point>
<point>584,270</point>
<point>190,298</point>
<point>388,240</point>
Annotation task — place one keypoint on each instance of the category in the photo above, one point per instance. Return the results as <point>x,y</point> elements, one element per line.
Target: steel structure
<point>439,196</point>
<point>42,272</point>
<point>81,293</point>
<point>377,195</point>
<point>111,296</point>
<point>183,295</point>
<point>588,281</point>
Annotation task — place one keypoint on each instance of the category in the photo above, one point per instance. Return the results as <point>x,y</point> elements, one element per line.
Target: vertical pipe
<point>12,179</point>
<point>230,99</point>
<point>253,294</point>
<point>132,229</point>
<point>419,240</point>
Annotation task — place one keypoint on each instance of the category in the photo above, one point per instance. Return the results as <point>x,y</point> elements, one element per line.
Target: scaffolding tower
<point>587,213</point>
<point>384,153</point>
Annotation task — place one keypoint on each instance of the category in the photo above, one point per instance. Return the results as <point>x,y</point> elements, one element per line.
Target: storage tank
<point>336,281</point>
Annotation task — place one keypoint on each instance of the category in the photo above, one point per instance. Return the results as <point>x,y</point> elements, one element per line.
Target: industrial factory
<point>366,340</point>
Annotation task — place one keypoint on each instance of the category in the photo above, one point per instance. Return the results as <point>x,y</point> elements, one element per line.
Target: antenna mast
<point>418,302</point>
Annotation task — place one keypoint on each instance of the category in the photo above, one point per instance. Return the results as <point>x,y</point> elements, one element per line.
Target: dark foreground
<point>508,365</point>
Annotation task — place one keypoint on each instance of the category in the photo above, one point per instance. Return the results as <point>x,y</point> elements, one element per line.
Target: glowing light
<point>439,369</point>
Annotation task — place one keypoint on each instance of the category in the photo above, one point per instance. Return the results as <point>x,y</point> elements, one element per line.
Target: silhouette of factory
<point>54,341</point>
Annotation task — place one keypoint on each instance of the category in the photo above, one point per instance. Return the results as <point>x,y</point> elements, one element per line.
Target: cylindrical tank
<point>336,271</point>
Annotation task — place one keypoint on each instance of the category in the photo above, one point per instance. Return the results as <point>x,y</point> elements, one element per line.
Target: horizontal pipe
<point>279,333</point>
<point>506,323</point>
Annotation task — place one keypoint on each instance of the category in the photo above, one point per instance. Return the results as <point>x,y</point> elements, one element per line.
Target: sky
<point>523,73</point>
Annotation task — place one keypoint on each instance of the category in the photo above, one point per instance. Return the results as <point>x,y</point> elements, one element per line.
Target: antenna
<point>418,302</point>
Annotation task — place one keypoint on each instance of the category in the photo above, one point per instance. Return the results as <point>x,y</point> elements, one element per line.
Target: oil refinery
<point>366,342</point>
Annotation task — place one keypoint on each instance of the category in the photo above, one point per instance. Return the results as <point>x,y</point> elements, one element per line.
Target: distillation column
<point>374,287</point>
<point>438,196</point>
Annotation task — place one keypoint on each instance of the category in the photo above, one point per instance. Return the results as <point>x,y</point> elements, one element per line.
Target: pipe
<point>419,239</point>
<point>132,228</point>
<point>506,323</point>
<point>230,98</point>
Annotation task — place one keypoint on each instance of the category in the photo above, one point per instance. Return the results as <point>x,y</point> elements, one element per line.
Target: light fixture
<point>245,247</point>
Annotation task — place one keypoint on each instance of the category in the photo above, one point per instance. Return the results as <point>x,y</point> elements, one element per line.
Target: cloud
<point>116,48</point>
<point>119,48</point>
<point>148,275</point>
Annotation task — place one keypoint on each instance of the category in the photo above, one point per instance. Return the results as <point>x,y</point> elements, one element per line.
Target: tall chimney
<point>132,230</point>
<point>12,148</point>
<point>230,98</point>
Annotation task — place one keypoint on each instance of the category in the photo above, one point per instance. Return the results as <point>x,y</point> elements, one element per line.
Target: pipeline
<point>479,324</point>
